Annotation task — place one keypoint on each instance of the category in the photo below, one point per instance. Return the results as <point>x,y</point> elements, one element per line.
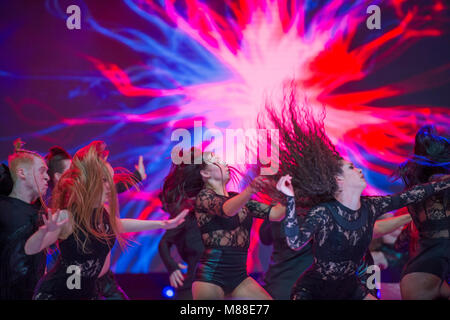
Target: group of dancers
<point>320,225</point>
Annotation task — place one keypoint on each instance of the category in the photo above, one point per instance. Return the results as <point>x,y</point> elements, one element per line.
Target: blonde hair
<point>20,157</point>
<point>80,191</point>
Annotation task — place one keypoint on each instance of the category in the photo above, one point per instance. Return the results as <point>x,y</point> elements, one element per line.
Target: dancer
<point>225,219</point>
<point>340,221</point>
<point>186,238</point>
<point>19,219</point>
<point>85,229</point>
<point>59,161</point>
<point>426,274</point>
<point>287,265</point>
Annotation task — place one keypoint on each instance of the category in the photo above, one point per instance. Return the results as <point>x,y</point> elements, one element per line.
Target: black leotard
<point>226,239</point>
<point>53,286</point>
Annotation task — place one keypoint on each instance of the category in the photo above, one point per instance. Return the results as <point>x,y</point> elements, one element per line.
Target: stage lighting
<point>168,292</point>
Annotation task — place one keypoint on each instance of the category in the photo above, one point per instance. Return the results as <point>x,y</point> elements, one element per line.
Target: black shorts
<point>311,286</point>
<point>225,267</point>
<point>433,257</point>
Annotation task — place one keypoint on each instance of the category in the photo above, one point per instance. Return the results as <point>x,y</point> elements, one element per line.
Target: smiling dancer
<point>85,229</point>
<point>340,221</point>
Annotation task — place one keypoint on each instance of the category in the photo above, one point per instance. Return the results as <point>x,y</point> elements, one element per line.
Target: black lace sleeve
<point>381,205</point>
<point>258,209</point>
<point>209,202</point>
<point>298,236</point>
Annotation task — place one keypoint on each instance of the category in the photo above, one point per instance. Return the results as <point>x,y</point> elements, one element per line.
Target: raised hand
<point>175,222</point>
<point>141,168</point>
<point>53,222</point>
<point>284,185</point>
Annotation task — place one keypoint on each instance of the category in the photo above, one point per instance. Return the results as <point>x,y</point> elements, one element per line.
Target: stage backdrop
<point>135,70</point>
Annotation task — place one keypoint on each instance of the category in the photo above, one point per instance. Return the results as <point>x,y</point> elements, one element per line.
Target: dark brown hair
<point>305,151</point>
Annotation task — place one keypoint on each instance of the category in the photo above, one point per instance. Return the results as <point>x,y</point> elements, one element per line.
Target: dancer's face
<point>216,169</point>
<point>66,165</point>
<point>351,177</point>
<point>106,186</point>
<point>35,176</point>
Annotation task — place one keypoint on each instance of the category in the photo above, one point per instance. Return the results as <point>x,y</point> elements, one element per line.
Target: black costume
<point>287,265</point>
<point>341,238</point>
<point>19,273</point>
<point>226,239</point>
<point>432,219</point>
<point>53,286</point>
<point>188,241</point>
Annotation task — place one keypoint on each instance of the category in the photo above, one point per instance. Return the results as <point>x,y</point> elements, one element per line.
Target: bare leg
<point>250,289</point>
<point>206,291</point>
<point>422,286</point>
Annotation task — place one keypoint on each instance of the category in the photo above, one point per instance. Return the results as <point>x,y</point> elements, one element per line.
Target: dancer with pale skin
<point>340,221</point>
<point>218,201</point>
<point>85,230</point>
<point>19,219</point>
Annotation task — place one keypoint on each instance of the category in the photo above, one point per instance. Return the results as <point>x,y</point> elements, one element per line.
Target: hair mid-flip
<point>80,190</point>
<point>305,151</point>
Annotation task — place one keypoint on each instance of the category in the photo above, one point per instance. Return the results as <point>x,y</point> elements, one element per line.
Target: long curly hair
<point>80,190</point>
<point>431,156</point>
<point>305,151</point>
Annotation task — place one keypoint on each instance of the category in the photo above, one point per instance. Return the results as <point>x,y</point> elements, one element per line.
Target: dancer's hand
<point>176,278</point>
<point>284,185</point>
<point>175,222</point>
<point>52,223</point>
<point>141,168</point>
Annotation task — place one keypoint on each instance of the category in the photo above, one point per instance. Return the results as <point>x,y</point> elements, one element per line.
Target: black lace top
<point>90,263</point>
<point>341,235</point>
<point>432,216</point>
<point>219,230</point>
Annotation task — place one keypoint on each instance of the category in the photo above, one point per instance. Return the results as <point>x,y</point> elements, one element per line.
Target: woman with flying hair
<point>86,231</point>
<point>340,221</point>
<point>426,274</point>
<point>224,219</point>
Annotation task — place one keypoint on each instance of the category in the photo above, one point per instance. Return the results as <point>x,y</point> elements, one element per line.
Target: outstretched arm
<point>386,226</point>
<point>47,234</point>
<point>136,225</point>
<point>414,195</point>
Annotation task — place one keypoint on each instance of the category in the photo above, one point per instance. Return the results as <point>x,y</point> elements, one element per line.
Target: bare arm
<point>136,225</point>
<point>47,234</point>
<point>386,226</point>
